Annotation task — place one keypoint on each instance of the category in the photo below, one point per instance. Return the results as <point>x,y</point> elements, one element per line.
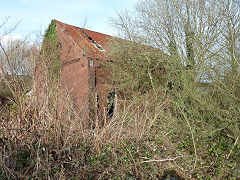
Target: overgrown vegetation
<point>177,83</point>
<point>51,52</point>
<point>194,64</point>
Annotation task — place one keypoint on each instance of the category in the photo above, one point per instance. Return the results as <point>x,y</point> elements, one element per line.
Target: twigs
<point>193,140</point>
<point>161,160</point>
<point>228,156</point>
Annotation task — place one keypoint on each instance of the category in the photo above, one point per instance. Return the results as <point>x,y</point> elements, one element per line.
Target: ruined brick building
<point>82,53</point>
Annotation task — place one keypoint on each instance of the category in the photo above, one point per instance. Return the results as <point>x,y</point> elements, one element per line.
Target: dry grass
<point>40,139</point>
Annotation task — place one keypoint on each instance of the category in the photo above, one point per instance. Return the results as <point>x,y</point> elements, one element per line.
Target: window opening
<point>91,62</point>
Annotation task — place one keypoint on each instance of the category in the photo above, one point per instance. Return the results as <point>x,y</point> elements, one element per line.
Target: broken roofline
<point>92,40</point>
<point>99,40</point>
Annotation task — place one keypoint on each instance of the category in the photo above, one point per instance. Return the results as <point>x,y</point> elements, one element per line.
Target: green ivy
<point>51,33</point>
<point>51,51</point>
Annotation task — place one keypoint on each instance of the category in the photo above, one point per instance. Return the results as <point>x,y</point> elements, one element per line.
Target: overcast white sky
<point>35,15</point>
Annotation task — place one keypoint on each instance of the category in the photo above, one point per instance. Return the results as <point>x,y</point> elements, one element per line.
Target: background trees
<point>196,32</point>
<point>17,58</point>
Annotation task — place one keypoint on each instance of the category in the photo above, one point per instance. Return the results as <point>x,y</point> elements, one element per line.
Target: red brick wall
<point>74,72</point>
<point>78,79</point>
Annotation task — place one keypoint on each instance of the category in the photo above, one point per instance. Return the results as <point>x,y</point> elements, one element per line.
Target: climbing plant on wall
<point>50,52</point>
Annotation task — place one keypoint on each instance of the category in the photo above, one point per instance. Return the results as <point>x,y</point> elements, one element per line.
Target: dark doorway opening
<point>110,104</point>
